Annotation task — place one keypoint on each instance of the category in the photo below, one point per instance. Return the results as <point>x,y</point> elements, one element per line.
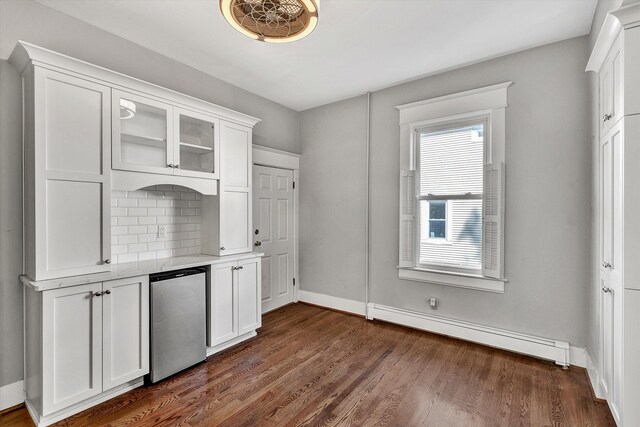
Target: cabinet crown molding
<point>27,54</point>
<point>624,18</point>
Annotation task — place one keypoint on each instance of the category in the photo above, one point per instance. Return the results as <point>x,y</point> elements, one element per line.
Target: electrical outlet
<point>162,231</point>
<point>433,302</point>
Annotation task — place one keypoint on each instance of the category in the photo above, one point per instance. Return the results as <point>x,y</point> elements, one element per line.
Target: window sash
<point>453,124</point>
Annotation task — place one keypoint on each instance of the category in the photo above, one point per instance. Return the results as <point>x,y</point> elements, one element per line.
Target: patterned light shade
<point>273,21</point>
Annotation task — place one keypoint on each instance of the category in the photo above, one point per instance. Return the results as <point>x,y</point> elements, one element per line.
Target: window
<point>452,189</point>
<point>450,161</point>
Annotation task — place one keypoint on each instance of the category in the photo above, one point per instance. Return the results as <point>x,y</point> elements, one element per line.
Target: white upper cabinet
<point>611,89</point>
<point>67,175</point>
<point>197,147</point>
<point>142,134</point>
<point>230,214</point>
<point>157,137</point>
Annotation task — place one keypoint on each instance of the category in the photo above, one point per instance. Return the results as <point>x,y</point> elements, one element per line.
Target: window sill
<point>460,280</point>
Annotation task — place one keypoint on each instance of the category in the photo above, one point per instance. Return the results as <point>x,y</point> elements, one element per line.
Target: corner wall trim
<point>342,304</point>
<point>11,395</point>
<point>558,351</point>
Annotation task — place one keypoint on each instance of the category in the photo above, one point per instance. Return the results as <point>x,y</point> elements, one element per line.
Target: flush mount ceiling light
<point>273,21</point>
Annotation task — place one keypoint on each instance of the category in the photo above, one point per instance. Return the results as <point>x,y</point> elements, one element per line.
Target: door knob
<point>258,243</point>
<point>606,265</point>
<point>606,290</point>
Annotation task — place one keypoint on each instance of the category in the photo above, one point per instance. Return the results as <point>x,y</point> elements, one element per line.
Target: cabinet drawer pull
<point>239,268</point>
<point>606,290</point>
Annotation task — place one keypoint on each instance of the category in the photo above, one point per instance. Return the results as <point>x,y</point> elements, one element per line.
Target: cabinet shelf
<point>151,141</point>
<point>194,148</point>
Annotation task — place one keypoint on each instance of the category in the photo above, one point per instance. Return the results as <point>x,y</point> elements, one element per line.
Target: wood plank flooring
<point>315,367</point>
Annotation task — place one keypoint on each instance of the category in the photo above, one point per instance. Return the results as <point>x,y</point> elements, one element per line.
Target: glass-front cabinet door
<point>142,133</point>
<point>196,144</point>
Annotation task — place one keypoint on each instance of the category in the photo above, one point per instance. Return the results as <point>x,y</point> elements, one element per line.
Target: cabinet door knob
<point>171,165</point>
<point>239,268</point>
<point>222,248</point>
<point>108,292</point>
<point>606,117</point>
<point>97,294</point>
<point>606,290</point>
<point>107,261</point>
<point>176,166</point>
<point>606,265</point>
<point>258,243</point>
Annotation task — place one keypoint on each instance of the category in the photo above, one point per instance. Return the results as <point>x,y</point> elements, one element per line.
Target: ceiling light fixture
<point>127,109</point>
<point>272,21</point>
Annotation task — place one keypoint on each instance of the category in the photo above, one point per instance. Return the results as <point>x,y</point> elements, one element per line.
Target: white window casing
<point>490,103</point>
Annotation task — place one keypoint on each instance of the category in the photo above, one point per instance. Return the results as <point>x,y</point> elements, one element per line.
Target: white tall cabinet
<point>616,60</point>
<point>67,151</point>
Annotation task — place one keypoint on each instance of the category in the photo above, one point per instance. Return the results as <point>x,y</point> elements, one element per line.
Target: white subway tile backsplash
<point>147,203</point>
<point>137,229</point>
<point>127,220</point>
<point>137,214</point>
<point>126,239</point>
<point>118,231</point>
<point>147,220</point>
<point>155,246</point>
<point>157,212</point>
<point>123,202</point>
<point>122,258</point>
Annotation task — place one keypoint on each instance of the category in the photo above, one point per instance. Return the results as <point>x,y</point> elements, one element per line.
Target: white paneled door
<point>273,233</point>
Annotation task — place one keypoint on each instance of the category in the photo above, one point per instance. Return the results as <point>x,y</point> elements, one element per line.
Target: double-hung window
<point>450,160</point>
<point>452,189</point>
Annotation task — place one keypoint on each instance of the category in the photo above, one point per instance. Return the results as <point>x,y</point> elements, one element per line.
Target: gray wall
<point>548,171</point>
<point>30,21</point>
<point>332,199</point>
<point>10,224</point>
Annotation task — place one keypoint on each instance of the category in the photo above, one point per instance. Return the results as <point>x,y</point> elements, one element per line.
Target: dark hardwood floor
<point>311,366</point>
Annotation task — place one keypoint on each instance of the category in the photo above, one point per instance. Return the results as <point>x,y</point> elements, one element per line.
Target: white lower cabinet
<point>234,301</point>
<point>83,341</point>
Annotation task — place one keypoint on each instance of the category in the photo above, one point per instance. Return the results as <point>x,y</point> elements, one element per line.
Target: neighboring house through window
<point>452,189</point>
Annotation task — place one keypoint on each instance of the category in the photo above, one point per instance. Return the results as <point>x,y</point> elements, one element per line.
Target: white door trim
<point>265,156</point>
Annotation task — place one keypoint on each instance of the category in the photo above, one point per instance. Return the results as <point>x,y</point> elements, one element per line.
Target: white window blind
<point>450,167</point>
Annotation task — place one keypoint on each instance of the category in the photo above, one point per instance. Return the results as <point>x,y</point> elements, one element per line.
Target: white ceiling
<point>358,45</point>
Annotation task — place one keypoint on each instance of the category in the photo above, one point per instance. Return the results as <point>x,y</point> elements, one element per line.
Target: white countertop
<point>131,269</point>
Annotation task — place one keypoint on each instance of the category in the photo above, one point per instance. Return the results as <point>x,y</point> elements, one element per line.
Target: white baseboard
<point>11,395</point>
<point>594,378</point>
<point>342,304</point>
